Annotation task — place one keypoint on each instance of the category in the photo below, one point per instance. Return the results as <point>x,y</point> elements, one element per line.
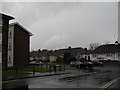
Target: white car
<point>101,59</point>
<point>75,63</point>
<point>33,62</point>
<point>36,62</point>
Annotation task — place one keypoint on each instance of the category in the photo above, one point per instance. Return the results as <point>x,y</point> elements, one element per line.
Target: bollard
<point>46,65</point>
<point>54,68</point>
<point>33,70</point>
<point>90,69</point>
<point>60,67</point>
<point>50,68</point>
<point>79,67</point>
<point>16,69</point>
<point>41,65</point>
<point>64,67</point>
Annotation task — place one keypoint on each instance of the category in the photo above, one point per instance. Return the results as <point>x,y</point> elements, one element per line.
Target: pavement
<point>38,74</point>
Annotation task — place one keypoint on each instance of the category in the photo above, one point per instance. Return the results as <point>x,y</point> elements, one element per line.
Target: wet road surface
<point>74,80</point>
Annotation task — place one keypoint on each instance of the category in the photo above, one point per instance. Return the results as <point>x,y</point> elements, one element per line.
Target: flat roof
<point>6,16</point>
<point>16,23</point>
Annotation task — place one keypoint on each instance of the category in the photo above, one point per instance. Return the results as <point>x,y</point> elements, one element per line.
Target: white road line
<point>109,84</point>
<point>8,81</point>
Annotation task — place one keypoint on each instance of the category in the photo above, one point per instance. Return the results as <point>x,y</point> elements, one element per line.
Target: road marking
<point>8,81</point>
<point>109,84</point>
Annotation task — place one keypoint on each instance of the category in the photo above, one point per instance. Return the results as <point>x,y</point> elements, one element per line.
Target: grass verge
<point>112,63</point>
<point>73,69</point>
<point>22,71</point>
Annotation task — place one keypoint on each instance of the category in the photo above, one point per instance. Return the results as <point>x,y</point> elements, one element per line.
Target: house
<point>53,58</point>
<point>18,45</point>
<point>40,55</point>
<point>4,25</point>
<point>106,52</point>
<point>77,52</point>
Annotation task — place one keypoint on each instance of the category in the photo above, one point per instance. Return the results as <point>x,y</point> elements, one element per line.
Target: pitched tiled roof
<point>39,54</point>
<point>72,51</point>
<point>109,48</point>
<point>60,52</point>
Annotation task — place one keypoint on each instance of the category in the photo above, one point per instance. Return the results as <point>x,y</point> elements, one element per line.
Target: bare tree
<point>39,50</point>
<point>93,46</point>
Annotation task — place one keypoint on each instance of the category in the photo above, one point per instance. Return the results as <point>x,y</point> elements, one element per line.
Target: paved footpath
<point>35,75</point>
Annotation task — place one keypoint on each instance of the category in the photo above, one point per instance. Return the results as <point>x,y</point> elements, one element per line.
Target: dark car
<point>75,64</point>
<point>87,64</point>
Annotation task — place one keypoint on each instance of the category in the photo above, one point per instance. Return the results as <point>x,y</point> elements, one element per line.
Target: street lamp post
<point>117,49</point>
<point>118,63</point>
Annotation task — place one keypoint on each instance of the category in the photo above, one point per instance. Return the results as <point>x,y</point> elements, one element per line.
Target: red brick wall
<point>21,47</point>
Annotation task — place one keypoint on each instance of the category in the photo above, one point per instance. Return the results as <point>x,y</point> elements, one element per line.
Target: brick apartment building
<point>14,43</point>
<point>4,24</point>
<point>18,45</point>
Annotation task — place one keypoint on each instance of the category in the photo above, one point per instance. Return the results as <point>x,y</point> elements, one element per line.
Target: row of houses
<point>103,52</point>
<point>50,55</point>
<point>14,43</point>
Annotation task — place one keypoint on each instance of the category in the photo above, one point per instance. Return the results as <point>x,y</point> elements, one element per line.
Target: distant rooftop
<point>108,48</point>
<point>60,52</point>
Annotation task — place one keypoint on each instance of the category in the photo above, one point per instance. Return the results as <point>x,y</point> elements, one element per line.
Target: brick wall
<point>21,47</point>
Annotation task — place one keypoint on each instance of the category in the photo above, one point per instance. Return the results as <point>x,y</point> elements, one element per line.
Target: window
<point>118,54</point>
<point>10,34</point>
<point>9,47</point>
<point>111,54</point>
<point>0,57</point>
<point>108,54</point>
<point>9,59</point>
<point>94,55</point>
<point>0,38</point>
<point>0,22</point>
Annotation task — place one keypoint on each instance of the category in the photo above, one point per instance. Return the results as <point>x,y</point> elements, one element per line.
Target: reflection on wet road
<point>91,81</point>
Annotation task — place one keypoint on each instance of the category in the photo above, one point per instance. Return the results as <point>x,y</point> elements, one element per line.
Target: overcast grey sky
<point>61,24</point>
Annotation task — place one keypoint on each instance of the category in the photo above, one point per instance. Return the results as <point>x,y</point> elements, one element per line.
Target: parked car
<point>100,59</point>
<point>36,63</point>
<point>97,63</point>
<point>32,62</point>
<point>39,63</point>
<point>87,64</point>
<point>84,64</point>
<point>75,64</point>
